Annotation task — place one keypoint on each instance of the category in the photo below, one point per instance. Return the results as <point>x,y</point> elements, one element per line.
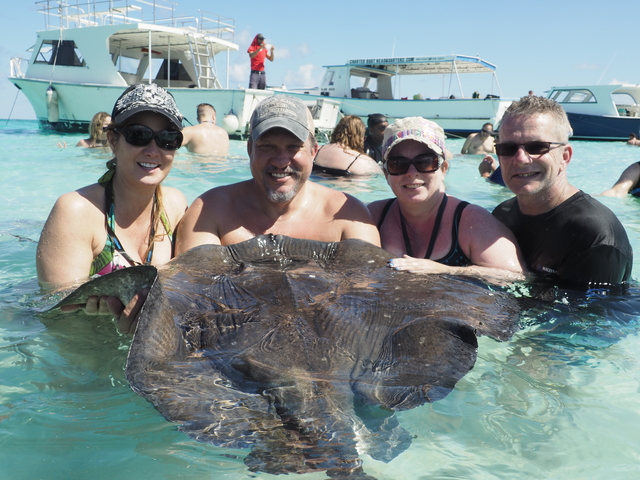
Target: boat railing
<point>90,13</point>
<point>16,64</point>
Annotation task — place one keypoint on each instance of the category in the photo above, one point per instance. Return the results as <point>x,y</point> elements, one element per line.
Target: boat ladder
<point>203,61</point>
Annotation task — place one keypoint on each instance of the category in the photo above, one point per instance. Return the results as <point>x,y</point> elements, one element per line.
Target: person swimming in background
<point>481,142</point>
<point>97,134</point>
<point>489,168</point>
<point>628,183</point>
<point>206,138</point>
<point>376,123</point>
<point>633,140</point>
<point>127,218</point>
<point>345,155</point>
<point>428,230</point>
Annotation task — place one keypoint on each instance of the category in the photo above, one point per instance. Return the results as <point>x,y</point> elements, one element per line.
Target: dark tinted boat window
<point>60,52</point>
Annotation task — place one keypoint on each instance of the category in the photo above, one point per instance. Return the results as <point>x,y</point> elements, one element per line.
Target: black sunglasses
<point>141,136</point>
<point>427,163</point>
<point>532,148</point>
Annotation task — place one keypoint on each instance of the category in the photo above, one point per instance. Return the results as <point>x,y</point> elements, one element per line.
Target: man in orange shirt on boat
<point>258,51</point>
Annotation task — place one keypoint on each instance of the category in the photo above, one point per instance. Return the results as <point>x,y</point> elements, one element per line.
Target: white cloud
<point>281,53</point>
<point>619,82</point>
<point>304,50</point>
<point>239,74</point>
<point>306,76</point>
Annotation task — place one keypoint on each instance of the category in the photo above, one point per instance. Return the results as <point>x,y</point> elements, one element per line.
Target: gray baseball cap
<point>282,111</point>
<point>145,97</point>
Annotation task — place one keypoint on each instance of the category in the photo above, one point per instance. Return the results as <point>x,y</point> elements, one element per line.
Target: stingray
<point>299,350</point>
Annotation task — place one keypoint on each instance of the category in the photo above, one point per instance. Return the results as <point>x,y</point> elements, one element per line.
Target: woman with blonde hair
<point>126,218</point>
<point>345,156</point>
<point>97,134</point>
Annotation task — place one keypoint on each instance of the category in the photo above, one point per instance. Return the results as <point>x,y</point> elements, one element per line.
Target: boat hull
<point>77,103</point>
<point>458,117</point>
<point>602,127</point>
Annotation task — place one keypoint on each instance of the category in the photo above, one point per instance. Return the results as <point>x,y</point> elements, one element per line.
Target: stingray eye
<point>239,267</point>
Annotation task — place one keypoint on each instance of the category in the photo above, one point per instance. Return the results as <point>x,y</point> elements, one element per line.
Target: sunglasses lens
<point>423,164</point>
<point>398,165</point>
<point>507,149</point>
<point>532,148</point>
<point>138,135</point>
<point>169,139</point>
<point>537,148</point>
<point>141,136</point>
<point>426,163</point>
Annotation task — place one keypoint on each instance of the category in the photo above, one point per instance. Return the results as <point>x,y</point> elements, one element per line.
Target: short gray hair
<point>532,105</point>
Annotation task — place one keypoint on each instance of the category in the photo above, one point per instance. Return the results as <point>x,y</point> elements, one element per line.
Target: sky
<point>535,45</point>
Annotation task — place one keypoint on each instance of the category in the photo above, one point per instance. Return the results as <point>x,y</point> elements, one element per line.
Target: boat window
<point>623,99</point>
<point>128,65</point>
<point>363,87</point>
<point>573,96</point>
<point>176,69</point>
<point>328,78</point>
<point>60,52</point>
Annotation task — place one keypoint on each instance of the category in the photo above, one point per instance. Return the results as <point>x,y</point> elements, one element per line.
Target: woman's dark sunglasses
<point>427,163</point>
<point>141,136</point>
<point>532,148</point>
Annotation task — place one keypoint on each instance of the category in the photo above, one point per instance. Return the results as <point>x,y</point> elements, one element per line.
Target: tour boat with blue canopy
<point>367,86</point>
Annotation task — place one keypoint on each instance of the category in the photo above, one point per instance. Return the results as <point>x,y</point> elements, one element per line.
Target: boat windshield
<point>60,52</point>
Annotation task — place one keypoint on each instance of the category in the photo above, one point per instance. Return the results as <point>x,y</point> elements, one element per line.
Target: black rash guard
<point>580,242</point>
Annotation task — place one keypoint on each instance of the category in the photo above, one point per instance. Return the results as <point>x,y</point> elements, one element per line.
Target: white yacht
<point>90,51</point>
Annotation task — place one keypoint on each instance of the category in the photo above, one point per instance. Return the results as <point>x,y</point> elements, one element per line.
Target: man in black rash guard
<point>376,124</point>
<point>563,233</point>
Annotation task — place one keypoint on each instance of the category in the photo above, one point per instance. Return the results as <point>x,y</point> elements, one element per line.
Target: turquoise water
<point>561,400</point>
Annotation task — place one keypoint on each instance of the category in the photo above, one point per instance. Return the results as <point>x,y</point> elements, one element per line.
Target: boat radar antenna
<point>607,68</point>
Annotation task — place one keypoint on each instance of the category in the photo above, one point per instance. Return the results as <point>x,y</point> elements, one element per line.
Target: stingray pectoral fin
<point>123,284</point>
<point>419,362</point>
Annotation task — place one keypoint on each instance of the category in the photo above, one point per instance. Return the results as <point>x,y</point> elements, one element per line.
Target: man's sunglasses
<point>427,163</point>
<point>141,136</point>
<point>532,148</point>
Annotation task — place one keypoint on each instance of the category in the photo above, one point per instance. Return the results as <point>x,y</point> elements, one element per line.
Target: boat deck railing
<point>91,13</point>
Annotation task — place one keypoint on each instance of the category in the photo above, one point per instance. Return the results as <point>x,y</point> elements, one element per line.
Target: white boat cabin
<point>609,100</point>
<point>172,51</point>
<point>373,78</point>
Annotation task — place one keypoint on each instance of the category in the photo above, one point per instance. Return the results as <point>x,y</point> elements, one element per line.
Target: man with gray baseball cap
<point>279,199</point>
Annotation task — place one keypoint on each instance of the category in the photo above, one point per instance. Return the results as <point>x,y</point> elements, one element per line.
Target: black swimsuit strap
<point>434,232</point>
<point>385,210</point>
<point>354,161</point>
<point>112,234</point>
